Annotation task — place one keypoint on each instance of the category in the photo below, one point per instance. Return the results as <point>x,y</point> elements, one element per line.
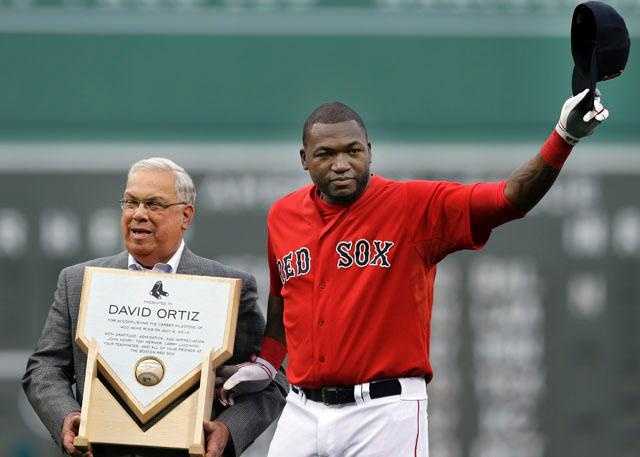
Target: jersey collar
<point>312,202</point>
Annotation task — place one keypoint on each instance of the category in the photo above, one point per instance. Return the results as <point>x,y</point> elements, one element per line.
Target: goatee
<point>361,184</point>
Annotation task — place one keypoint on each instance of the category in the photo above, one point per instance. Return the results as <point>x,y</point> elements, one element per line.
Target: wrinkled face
<point>154,236</point>
<point>337,157</point>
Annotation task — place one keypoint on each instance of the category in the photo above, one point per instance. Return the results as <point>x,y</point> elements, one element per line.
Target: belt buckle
<point>325,392</point>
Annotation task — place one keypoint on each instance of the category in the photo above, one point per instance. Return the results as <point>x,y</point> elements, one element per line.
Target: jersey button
<point>323,285</point>
<point>321,322</point>
<point>321,359</point>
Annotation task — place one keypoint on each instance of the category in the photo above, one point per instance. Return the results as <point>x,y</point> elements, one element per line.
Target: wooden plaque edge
<point>82,440</point>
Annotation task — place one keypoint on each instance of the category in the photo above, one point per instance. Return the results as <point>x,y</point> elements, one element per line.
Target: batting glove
<point>575,123</point>
<point>244,378</point>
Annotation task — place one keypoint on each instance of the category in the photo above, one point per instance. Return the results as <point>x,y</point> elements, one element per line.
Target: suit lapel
<point>188,264</point>
<point>120,260</point>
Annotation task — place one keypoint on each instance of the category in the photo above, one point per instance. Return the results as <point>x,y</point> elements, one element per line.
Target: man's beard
<point>361,184</point>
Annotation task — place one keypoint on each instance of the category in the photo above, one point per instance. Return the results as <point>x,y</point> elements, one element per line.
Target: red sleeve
<point>440,213</point>
<point>449,216</point>
<point>490,208</point>
<point>275,287</point>
<point>273,351</point>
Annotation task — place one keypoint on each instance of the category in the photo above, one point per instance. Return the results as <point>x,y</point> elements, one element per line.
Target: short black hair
<point>331,113</point>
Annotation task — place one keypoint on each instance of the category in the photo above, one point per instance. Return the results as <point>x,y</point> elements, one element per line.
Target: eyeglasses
<point>152,205</point>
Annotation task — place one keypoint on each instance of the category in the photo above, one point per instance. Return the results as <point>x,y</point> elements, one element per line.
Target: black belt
<point>341,395</point>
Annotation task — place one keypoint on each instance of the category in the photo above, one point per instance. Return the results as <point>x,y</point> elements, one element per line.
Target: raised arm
<point>529,183</point>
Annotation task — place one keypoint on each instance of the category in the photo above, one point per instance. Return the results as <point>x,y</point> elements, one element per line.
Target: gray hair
<point>185,189</point>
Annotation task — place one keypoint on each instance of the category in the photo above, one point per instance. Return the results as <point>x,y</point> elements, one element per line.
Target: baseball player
<point>353,262</point>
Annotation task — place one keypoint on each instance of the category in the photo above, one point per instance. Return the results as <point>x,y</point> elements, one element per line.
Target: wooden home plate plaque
<point>150,338</point>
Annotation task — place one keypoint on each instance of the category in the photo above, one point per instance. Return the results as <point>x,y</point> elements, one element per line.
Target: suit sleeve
<point>250,326</point>
<point>252,413</point>
<point>49,374</point>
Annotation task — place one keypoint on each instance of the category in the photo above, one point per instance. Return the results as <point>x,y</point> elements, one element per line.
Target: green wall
<point>263,86</point>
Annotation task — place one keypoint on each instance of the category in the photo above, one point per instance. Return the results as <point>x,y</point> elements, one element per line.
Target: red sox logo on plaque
<point>157,291</point>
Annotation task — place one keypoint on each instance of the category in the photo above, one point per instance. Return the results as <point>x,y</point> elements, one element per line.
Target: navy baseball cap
<point>599,45</point>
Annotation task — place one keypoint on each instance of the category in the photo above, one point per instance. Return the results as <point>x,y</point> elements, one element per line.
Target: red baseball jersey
<point>357,280</point>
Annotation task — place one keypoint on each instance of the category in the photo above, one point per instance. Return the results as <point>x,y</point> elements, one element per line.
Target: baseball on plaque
<point>153,342</point>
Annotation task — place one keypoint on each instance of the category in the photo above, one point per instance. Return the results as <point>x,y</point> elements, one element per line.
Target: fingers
<point>231,382</point>
<point>67,444</point>
<point>209,427</point>
<point>581,95</point>
<point>578,121</point>
<point>576,99</point>
<point>73,424</point>
<point>70,428</point>
<point>598,116</point>
<point>603,115</point>
<point>571,103</point>
<point>597,104</point>
<point>216,438</point>
<point>226,371</point>
<point>226,397</point>
<point>70,449</point>
<point>600,113</point>
<point>589,116</point>
<point>247,377</point>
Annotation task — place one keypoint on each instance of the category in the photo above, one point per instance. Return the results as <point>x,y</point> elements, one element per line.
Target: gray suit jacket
<point>58,362</point>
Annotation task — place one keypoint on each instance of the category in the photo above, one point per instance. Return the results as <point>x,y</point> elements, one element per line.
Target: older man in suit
<point>158,206</point>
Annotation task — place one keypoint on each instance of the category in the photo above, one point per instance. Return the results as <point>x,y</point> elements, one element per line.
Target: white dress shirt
<point>170,267</point>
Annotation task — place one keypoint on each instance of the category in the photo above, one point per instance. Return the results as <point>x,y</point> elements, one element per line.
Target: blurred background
<point>535,340</point>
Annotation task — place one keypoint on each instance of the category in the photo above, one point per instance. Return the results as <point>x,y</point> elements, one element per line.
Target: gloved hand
<point>575,123</point>
<point>244,378</point>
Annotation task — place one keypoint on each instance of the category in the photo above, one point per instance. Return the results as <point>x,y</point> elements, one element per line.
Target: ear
<point>369,147</point>
<point>188,214</point>
<point>303,159</point>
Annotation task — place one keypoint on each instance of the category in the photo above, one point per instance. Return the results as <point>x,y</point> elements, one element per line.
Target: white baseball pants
<point>394,426</point>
